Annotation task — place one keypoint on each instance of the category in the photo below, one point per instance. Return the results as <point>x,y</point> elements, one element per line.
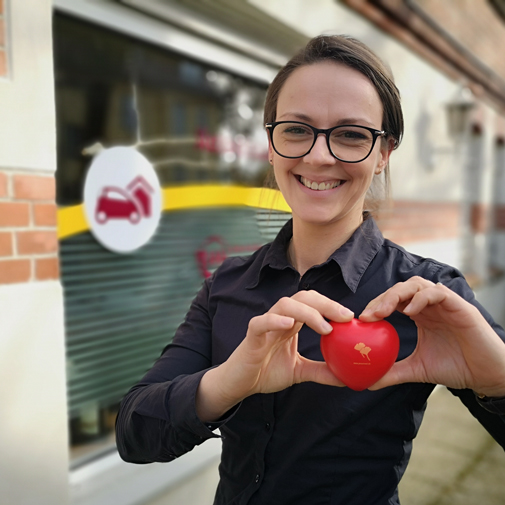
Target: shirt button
<point>267,426</point>
<point>306,286</point>
<point>257,478</point>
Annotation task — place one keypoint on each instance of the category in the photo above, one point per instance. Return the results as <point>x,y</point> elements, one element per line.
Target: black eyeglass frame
<point>326,132</point>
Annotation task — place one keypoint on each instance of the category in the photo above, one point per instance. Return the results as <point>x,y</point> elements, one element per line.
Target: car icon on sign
<point>116,203</point>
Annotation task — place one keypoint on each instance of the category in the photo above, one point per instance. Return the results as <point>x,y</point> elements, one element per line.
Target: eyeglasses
<point>347,143</point>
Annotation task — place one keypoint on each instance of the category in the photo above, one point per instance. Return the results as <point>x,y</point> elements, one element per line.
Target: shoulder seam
<point>437,266</point>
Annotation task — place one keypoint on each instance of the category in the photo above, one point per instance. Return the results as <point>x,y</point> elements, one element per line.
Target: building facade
<point>182,82</point>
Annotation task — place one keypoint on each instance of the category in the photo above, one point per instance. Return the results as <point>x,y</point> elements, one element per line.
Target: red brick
<point>1,6</point>
<point>14,214</point>
<point>499,217</point>
<point>47,268</point>
<point>3,63</point>
<point>479,218</point>
<point>410,221</point>
<point>44,214</point>
<point>5,244</point>
<point>37,242</point>
<point>3,185</point>
<point>12,271</point>
<point>2,32</point>
<point>34,187</point>
<point>474,24</point>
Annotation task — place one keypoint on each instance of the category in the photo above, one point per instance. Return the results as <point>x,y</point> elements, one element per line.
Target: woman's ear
<point>387,148</point>
<point>270,151</point>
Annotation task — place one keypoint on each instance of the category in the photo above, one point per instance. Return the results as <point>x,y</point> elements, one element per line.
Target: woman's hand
<point>267,360</point>
<point>456,346</point>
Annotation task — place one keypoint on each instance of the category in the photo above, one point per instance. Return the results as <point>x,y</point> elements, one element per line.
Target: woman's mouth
<point>320,186</point>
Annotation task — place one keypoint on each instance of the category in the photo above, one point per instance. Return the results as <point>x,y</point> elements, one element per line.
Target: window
<point>196,125</point>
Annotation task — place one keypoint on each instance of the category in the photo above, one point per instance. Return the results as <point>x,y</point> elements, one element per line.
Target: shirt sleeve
<point>157,418</point>
<point>494,423</point>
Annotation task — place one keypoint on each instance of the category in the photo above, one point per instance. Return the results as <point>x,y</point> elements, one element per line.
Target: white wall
<point>33,420</point>
<point>27,129</point>
<point>424,166</point>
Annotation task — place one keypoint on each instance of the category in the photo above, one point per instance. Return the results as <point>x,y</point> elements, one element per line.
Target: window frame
<point>108,479</point>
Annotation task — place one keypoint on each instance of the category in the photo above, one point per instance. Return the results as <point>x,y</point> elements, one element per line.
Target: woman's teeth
<point>320,186</point>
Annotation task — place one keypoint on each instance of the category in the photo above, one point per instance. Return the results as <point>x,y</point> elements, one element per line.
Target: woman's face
<point>324,95</point>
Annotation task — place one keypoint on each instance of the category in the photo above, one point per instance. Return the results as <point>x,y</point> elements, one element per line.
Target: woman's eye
<point>296,130</point>
<point>351,134</point>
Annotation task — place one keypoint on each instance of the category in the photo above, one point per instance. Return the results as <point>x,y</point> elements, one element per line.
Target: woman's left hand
<point>456,345</point>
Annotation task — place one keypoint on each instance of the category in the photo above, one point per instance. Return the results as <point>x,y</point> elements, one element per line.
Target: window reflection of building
<point>195,124</point>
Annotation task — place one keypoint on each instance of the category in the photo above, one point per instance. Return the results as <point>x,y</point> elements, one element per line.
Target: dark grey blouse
<point>309,444</point>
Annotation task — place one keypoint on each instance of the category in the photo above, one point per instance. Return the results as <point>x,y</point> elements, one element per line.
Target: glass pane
<point>195,124</point>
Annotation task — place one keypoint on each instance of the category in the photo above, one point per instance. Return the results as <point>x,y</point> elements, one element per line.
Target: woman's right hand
<point>267,360</point>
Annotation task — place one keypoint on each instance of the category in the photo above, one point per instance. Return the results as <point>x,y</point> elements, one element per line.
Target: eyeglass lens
<point>348,143</point>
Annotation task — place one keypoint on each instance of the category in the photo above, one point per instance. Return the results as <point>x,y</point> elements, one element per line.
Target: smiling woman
<point>310,93</point>
<point>247,358</point>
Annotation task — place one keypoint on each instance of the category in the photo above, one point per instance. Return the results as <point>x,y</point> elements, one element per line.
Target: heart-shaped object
<point>360,353</point>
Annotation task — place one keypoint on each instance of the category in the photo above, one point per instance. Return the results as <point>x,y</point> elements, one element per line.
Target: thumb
<point>316,371</point>
<point>400,373</point>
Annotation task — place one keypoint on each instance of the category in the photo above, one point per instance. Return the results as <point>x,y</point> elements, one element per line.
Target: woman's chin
<point>321,217</point>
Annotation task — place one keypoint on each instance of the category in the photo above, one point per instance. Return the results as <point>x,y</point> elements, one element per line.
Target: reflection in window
<point>193,122</point>
<point>196,124</point>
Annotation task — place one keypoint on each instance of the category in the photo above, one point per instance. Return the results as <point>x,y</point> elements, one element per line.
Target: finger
<point>400,373</point>
<point>395,298</point>
<point>325,306</point>
<point>260,325</point>
<point>452,303</point>
<point>369,311</point>
<point>302,313</point>
<point>316,371</point>
<point>424,298</point>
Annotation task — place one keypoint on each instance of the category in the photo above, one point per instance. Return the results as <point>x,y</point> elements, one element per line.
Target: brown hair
<point>354,54</point>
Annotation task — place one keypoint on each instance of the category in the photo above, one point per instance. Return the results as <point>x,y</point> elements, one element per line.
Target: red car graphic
<point>117,203</point>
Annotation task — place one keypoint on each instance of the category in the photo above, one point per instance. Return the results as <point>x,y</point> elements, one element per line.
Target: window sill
<point>111,480</point>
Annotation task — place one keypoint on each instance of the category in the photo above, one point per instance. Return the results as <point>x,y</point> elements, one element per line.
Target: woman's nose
<point>320,154</point>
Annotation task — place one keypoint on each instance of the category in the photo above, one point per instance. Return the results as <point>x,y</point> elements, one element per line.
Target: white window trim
<point>132,22</point>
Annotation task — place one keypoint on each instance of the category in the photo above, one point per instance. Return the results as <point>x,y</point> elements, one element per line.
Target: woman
<point>247,357</point>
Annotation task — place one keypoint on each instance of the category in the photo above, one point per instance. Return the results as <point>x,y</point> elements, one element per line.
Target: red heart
<point>360,353</point>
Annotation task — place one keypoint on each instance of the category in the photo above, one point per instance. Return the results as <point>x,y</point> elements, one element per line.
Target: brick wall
<point>406,222</point>
<point>499,217</point>
<point>28,237</point>
<point>475,25</point>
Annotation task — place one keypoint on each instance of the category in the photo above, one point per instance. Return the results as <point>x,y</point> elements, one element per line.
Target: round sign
<point>122,199</point>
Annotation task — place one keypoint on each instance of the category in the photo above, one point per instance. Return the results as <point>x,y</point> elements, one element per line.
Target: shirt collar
<point>353,257</point>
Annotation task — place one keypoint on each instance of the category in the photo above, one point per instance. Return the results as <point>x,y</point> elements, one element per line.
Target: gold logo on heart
<point>363,349</point>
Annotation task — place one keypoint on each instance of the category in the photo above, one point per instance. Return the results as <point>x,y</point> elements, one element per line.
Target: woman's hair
<point>354,54</point>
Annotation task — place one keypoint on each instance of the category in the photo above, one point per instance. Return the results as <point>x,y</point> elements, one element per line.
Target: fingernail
<point>288,322</point>
<point>344,311</point>
<point>327,326</point>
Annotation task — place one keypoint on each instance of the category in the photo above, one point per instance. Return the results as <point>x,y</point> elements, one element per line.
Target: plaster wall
<point>33,433</point>
<point>27,129</point>
<point>424,167</point>
<point>33,420</point>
